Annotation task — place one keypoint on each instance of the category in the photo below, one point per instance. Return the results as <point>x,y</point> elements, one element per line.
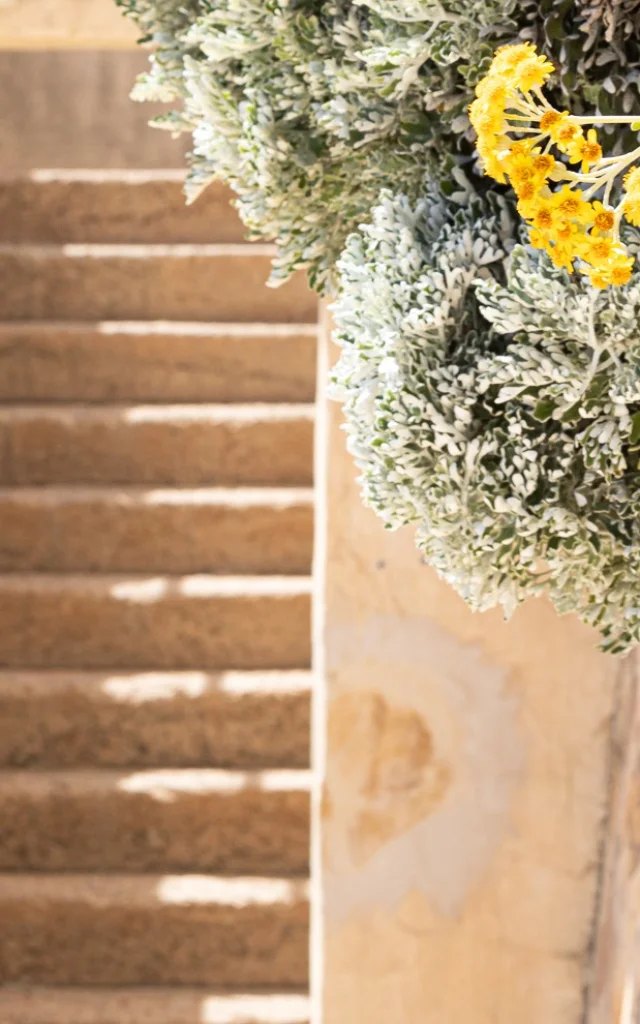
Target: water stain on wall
<point>391,776</point>
<point>426,755</point>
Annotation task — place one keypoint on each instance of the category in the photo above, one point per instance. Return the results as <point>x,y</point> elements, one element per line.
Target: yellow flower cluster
<point>631,201</point>
<point>557,202</point>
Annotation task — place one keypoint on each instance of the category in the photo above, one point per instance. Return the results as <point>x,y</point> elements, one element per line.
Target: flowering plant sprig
<point>526,141</point>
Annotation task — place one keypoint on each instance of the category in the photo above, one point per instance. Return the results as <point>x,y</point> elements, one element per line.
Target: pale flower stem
<point>616,224</point>
<point>543,99</point>
<point>607,193</point>
<point>617,119</point>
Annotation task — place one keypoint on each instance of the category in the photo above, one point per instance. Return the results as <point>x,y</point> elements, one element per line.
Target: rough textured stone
<point>468,776</point>
<point>151,1006</point>
<point>243,720</point>
<point>167,820</point>
<point>613,982</point>
<point>64,23</point>
<point>166,362</point>
<point>70,108</point>
<point>150,930</point>
<point>132,330</point>
<point>113,206</point>
<point>144,282</point>
<point>170,531</point>
<point>186,445</point>
<point>155,622</point>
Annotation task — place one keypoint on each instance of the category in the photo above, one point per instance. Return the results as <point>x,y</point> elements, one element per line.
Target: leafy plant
<point>309,107</point>
<point>491,399</point>
<point>494,401</point>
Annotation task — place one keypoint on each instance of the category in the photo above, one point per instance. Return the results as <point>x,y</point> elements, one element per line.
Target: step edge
<point>162,412</point>
<point>151,585</point>
<point>54,175</point>
<point>141,496</point>
<point>137,250</point>
<point>126,890</point>
<point>190,328</point>
<point>131,781</point>
<point>257,682</point>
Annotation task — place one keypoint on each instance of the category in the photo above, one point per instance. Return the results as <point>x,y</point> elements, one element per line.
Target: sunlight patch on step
<point>143,250</point>
<point>47,175</point>
<point>145,687</point>
<point>147,591</point>
<point>186,890</point>
<point>137,495</point>
<point>165,785</point>
<point>151,686</point>
<point>269,682</point>
<point>198,327</point>
<point>238,497</point>
<point>265,1009</point>
<point>140,591</point>
<point>250,412</point>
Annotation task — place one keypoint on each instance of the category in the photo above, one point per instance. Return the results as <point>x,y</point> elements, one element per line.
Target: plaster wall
<point>467,783</point>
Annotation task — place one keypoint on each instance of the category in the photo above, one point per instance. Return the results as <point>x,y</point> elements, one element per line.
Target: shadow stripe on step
<point>166,362</point>
<point>90,622</point>
<point>229,822</point>
<point>144,530</point>
<point>147,930</point>
<point>248,720</point>
<point>187,445</point>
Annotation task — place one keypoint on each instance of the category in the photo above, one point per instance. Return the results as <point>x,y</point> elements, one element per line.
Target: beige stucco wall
<point>467,780</point>
<point>43,24</point>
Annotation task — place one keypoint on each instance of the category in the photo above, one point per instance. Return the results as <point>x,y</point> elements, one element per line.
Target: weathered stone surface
<point>245,720</point>
<point>113,207</point>
<point>188,445</point>
<point>150,1006</point>
<point>64,23</point>
<point>390,777</point>
<point>153,930</point>
<point>169,820</point>
<point>144,282</point>
<point>467,782</point>
<point>90,622</point>
<point>71,108</point>
<point>155,544</point>
<point>166,362</point>
<point>613,983</point>
<point>82,529</point>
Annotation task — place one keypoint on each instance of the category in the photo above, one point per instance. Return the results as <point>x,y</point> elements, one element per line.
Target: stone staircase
<point>156,425</point>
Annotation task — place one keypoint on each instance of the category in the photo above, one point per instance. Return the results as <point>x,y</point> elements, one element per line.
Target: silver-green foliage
<point>499,410</point>
<point>309,107</point>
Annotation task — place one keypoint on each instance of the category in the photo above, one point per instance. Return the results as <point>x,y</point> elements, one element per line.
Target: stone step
<point>165,361</point>
<point>113,206</point>
<point>91,622</point>
<point>84,529</point>
<point>192,820</point>
<point>246,720</point>
<point>188,445</point>
<point>149,1006</point>
<point>148,282</point>
<point>231,933</point>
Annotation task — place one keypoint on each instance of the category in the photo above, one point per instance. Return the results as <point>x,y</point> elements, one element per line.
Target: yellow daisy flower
<point>586,151</point>
<point>632,181</point>
<point>631,209</point>
<point>560,256</point>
